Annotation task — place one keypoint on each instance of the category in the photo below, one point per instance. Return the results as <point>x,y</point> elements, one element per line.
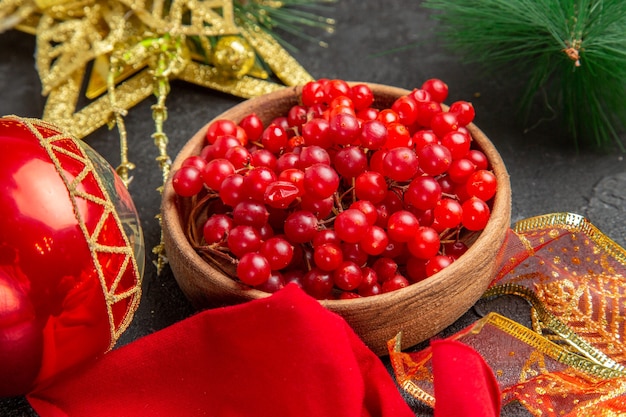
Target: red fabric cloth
<point>464,384</point>
<point>281,356</point>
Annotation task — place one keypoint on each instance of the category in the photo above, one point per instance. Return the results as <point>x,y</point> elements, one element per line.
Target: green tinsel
<point>570,53</point>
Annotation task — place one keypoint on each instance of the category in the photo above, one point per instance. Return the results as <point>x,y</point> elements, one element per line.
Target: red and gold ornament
<point>71,254</point>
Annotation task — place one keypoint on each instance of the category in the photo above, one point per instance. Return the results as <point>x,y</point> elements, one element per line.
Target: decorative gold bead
<point>233,56</point>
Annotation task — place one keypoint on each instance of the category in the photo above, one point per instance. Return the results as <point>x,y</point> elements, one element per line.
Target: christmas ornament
<point>570,54</point>
<point>130,50</point>
<point>573,360</point>
<point>71,254</point>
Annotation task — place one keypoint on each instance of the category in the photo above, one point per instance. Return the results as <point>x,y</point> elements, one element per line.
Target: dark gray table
<point>547,175</point>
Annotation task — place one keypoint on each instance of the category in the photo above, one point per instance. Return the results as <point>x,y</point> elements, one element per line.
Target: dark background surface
<point>392,42</point>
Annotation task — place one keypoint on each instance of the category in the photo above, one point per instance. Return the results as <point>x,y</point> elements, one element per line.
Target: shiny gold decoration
<point>233,56</point>
<point>573,360</point>
<point>128,50</point>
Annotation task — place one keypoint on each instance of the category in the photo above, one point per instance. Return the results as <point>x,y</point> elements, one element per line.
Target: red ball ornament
<point>71,254</point>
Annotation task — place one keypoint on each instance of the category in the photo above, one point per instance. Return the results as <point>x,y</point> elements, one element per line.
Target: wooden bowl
<point>420,310</point>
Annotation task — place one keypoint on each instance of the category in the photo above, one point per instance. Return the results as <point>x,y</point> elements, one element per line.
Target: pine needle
<point>289,16</point>
<point>573,51</point>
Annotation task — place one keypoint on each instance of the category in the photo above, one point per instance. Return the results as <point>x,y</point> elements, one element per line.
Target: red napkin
<point>281,356</point>
<point>464,384</point>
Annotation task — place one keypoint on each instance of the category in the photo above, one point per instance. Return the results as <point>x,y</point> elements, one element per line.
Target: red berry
<point>195,161</point>
<point>318,283</point>
<point>367,114</point>
<point>448,213</point>
<point>482,184</point>
<point>351,225</point>
<point>312,93</point>
<point>416,269</point>
<point>310,155</point>
<point>263,158</point>
<point>348,276</point>
<point>350,161</point>
<point>458,143</point>
<point>371,186</point>
<point>216,228</point>
<point>434,159</point>
<point>460,170</point>
<point>425,243</point>
<point>320,208</point>
<point>373,134</point>
<point>402,226</point>
<point>423,193</point>
<point>325,236</point>
<point>327,256</point>
<point>317,132</point>
<point>387,116</point>
<point>253,269</point>
<point>400,164</point>
<point>187,181</point>
<point>280,194</point>
<point>375,241</point>
<point>423,137</point>
<point>464,112</point>
<point>397,135</point>
<point>250,212</point>
<point>320,181</point>
<point>297,116</point>
<point>301,226</point>
<point>243,239</point>
<point>232,191</point>
<point>395,283</point>
<point>253,126</point>
<point>275,282</point>
<point>419,94</point>
<point>278,252</point>
<point>437,263</point>
<point>455,249</point>
<point>385,268</point>
<point>238,156</point>
<point>362,96</point>
<point>368,208</point>
<point>478,158</point>
<point>476,214</point>
<point>335,88</point>
<point>222,145</point>
<point>437,89</point>
<point>406,108</point>
<point>274,139</point>
<point>344,129</point>
<point>444,122</point>
<point>426,110</point>
<point>216,171</point>
<point>220,127</point>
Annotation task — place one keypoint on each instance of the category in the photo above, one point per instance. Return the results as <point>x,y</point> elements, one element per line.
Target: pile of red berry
<point>338,196</point>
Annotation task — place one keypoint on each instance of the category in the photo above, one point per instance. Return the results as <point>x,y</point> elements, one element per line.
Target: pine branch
<point>571,53</point>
